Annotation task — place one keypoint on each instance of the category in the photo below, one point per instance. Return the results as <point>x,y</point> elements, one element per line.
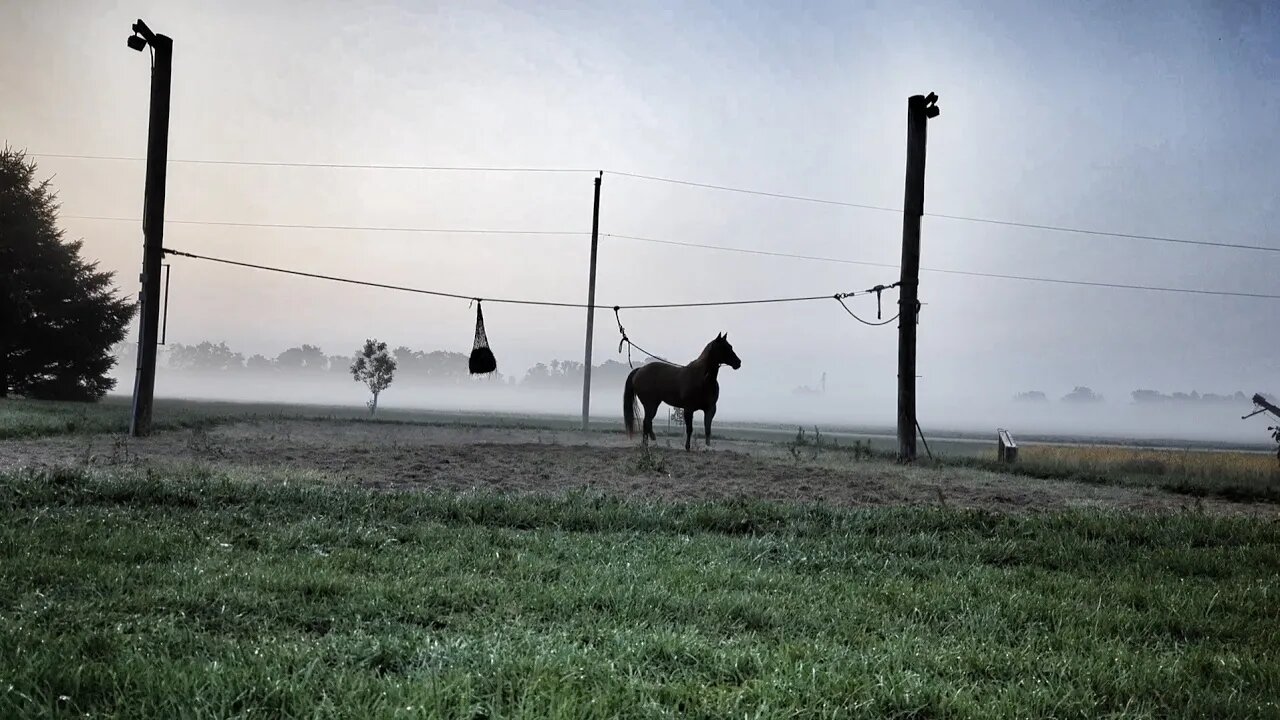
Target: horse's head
<point>722,352</point>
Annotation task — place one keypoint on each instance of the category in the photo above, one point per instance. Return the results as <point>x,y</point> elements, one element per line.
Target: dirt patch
<point>417,457</point>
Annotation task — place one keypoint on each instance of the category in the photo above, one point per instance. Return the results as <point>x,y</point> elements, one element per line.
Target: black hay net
<point>482,361</point>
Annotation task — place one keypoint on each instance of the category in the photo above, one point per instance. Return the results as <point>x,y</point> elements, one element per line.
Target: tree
<point>340,363</point>
<point>1082,395</point>
<point>126,354</point>
<point>1034,396</point>
<point>374,367</point>
<point>59,314</point>
<point>205,357</point>
<point>259,364</point>
<point>307,357</point>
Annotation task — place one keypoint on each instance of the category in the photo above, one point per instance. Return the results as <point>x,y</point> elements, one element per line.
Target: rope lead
<point>627,341</point>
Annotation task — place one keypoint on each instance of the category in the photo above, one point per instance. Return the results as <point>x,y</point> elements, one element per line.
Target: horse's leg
<point>706,419</point>
<point>688,429</point>
<point>650,412</point>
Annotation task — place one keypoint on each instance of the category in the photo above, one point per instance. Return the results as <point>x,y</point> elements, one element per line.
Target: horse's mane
<point>706,351</point>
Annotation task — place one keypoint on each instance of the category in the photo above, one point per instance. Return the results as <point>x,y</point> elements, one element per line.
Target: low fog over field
<point>753,394</point>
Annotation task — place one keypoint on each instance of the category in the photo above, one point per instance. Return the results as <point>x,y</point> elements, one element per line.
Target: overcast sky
<point>1154,118</point>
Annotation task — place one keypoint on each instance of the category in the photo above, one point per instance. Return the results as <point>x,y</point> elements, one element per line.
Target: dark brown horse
<point>690,387</point>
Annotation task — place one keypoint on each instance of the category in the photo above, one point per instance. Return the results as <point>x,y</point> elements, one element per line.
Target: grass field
<point>1233,475</point>
<point>20,418</point>
<point>1230,474</point>
<point>35,418</point>
<point>211,594</point>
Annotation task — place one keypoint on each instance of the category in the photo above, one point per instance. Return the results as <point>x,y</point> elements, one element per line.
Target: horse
<point>689,387</point>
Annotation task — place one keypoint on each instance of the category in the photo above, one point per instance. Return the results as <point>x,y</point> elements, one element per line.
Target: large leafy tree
<point>59,314</point>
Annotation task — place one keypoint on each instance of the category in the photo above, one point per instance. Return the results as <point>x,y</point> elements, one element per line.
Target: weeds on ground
<point>805,446</point>
<point>648,461</point>
<point>204,446</point>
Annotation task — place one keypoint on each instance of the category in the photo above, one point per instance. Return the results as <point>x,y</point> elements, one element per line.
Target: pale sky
<point>1154,118</point>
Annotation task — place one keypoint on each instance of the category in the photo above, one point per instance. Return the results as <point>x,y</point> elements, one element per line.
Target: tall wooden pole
<point>591,307</point>
<point>152,224</point>
<point>919,109</point>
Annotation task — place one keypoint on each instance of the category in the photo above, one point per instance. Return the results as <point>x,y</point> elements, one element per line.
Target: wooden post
<point>152,224</point>
<point>591,307</point>
<point>919,110</point>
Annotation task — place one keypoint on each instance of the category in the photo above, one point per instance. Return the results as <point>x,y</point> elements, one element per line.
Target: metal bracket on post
<point>164,316</point>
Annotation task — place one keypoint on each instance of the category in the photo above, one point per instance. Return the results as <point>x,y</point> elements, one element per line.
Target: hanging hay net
<point>482,361</point>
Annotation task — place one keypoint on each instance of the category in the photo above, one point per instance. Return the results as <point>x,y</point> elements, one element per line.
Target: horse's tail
<point>629,402</point>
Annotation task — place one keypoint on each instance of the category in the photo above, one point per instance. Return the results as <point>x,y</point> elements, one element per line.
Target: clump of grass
<point>132,592</point>
<point>813,445</point>
<point>648,461</point>
<point>204,446</point>
<point>805,446</point>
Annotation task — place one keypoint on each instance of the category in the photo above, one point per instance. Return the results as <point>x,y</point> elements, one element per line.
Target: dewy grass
<point>1232,475</point>
<point>21,418</point>
<point>132,593</point>
<point>25,419</point>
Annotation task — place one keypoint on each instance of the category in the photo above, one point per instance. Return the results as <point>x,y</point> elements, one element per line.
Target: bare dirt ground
<point>417,457</point>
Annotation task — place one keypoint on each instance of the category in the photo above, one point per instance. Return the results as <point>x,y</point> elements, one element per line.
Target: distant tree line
<point>1083,394</point>
<point>434,367</point>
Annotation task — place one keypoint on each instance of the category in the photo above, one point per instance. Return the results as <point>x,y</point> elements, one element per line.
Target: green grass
<point>1245,477</point>
<point>25,419</point>
<point>204,595</point>
<point>1228,474</point>
<point>21,418</point>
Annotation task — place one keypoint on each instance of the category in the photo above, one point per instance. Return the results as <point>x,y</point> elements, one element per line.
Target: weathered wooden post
<point>144,385</point>
<point>919,109</point>
<point>591,307</point>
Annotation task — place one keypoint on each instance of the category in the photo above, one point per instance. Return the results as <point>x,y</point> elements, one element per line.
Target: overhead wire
<point>509,301</point>
<point>746,191</point>
<point>746,251</point>
<point>1089,283</point>
<point>866,322</point>
<point>704,246</point>
<point>1105,233</point>
<point>688,183</point>
<point>351,228</point>
<point>343,166</point>
<point>945,271</point>
<point>962,218</point>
